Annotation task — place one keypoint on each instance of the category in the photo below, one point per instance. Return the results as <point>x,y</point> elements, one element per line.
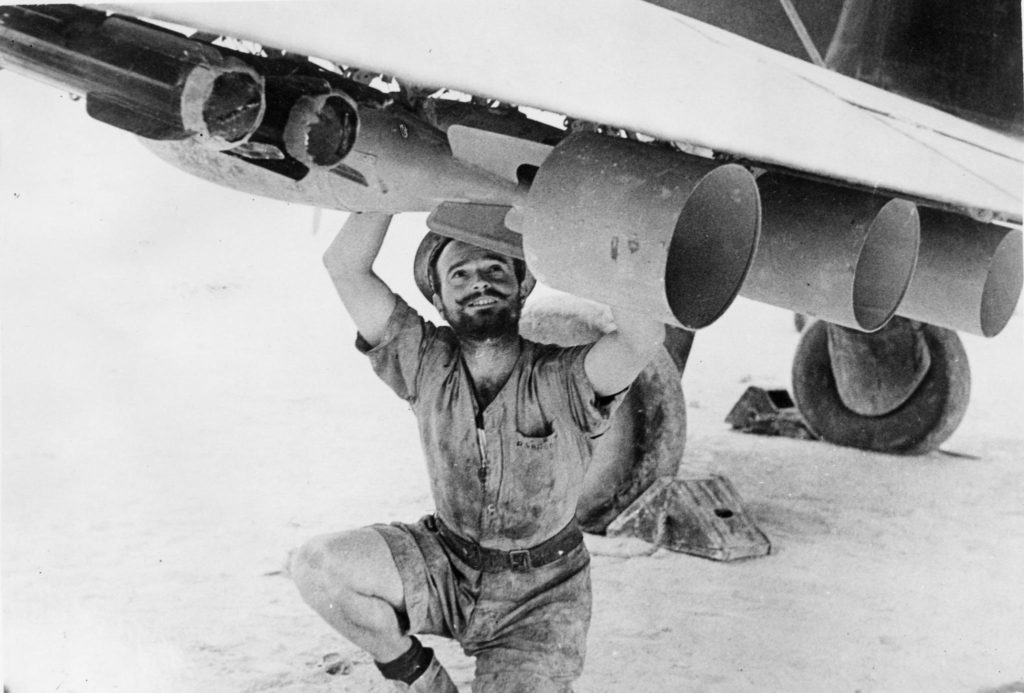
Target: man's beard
<point>485,325</point>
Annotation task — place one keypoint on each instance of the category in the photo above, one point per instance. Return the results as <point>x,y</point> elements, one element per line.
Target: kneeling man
<point>507,427</point>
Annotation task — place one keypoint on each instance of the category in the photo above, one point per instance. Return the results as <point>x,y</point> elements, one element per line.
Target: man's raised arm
<point>618,357</point>
<point>349,261</point>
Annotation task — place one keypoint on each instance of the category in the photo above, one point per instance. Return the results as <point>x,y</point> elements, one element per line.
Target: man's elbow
<point>618,357</point>
<point>337,263</point>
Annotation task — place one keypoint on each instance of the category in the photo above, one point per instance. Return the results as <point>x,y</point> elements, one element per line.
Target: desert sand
<point>182,405</point>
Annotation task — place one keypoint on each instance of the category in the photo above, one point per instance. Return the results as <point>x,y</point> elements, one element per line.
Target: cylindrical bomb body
<point>969,274</point>
<point>838,254</point>
<point>640,226</point>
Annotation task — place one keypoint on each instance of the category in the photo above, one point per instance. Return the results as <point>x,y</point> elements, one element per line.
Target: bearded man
<point>507,428</point>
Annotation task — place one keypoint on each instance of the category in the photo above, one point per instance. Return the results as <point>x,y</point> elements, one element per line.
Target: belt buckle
<point>520,560</point>
<point>473,556</point>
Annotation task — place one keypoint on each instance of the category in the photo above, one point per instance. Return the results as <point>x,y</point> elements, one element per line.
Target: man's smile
<point>486,299</point>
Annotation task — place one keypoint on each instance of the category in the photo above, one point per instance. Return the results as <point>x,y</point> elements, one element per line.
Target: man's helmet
<point>426,257</point>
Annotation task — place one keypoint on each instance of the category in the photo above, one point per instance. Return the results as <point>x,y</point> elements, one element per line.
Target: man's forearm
<point>349,261</point>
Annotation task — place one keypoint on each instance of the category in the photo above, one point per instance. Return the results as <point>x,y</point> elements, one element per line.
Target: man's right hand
<point>349,261</point>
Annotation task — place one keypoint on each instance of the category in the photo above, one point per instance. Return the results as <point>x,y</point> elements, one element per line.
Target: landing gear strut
<point>903,389</point>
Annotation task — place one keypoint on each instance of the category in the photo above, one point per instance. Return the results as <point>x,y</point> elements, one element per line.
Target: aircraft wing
<point>694,165</point>
<point>639,67</point>
<point>718,167</point>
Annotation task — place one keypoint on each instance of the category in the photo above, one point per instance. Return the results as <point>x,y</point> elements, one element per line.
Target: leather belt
<point>518,561</point>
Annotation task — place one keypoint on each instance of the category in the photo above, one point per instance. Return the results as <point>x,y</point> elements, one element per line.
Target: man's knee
<point>307,565</point>
<point>329,567</point>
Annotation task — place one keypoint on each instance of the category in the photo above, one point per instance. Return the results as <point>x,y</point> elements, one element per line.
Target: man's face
<point>479,292</point>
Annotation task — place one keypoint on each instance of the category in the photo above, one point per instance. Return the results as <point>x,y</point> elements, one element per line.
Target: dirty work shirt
<point>508,477</point>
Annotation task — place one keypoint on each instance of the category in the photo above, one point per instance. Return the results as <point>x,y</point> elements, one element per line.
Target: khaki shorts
<point>527,630</point>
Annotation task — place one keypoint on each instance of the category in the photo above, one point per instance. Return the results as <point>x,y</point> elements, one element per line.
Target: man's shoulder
<point>405,322</point>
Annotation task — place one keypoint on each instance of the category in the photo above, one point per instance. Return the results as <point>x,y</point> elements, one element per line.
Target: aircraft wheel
<point>923,422</point>
<point>648,433</point>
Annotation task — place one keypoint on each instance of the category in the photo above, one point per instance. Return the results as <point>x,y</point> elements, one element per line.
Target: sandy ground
<point>182,405</point>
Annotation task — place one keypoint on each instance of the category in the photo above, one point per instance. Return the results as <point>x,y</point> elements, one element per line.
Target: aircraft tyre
<point>921,424</point>
<point>648,433</point>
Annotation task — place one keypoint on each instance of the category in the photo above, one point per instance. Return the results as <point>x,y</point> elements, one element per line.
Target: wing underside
<point>640,67</point>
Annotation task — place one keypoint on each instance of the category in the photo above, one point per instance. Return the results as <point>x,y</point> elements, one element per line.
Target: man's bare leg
<point>351,580</point>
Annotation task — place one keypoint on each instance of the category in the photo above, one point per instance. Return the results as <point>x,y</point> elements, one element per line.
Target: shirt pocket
<point>534,487</point>
<point>524,443</point>
<point>538,471</point>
